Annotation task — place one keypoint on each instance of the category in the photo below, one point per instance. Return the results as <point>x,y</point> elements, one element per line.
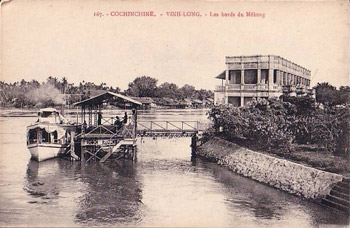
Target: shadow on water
<point>265,202</point>
<point>112,196</point>
<point>41,184</point>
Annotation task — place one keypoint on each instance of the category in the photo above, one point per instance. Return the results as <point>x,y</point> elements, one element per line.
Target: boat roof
<point>104,97</point>
<point>48,110</point>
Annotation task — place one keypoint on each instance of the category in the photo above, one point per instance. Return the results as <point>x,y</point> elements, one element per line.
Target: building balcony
<point>299,89</point>
<point>246,87</point>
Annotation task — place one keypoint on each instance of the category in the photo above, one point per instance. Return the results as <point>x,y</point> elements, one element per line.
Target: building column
<point>258,76</point>
<point>242,77</point>
<point>279,77</point>
<point>290,79</point>
<point>227,72</point>
<point>270,78</point>
<point>285,78</point>
<point>242,100</point>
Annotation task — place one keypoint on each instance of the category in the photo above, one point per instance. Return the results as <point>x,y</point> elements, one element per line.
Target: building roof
<point>197,101</point>
<point>143,100</point>
<point>210,99</point>
<point>106,97</point>
<point>168,99</point>
<point>221,75</point>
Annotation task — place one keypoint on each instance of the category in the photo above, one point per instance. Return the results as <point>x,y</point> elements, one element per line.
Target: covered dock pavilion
<point>98,138</point>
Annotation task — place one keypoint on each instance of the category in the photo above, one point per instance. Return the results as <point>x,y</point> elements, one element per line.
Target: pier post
<point>73,156</point>
<point>82,152</point>
<point>194,144</point>
<point>72,153</point>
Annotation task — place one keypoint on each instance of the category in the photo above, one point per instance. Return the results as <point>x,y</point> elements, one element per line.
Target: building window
<point>275,76</point>
<point>235,77</point>
<point>250,77</point>
<point>235,101</point>
<point>264,76</point>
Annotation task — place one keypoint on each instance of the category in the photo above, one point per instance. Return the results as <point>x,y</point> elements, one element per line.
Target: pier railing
<point>154,128</point>
<point>168,125</point>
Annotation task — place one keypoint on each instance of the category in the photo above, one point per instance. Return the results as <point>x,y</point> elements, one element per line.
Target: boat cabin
<point>50,115</point>
<point>41,133</point>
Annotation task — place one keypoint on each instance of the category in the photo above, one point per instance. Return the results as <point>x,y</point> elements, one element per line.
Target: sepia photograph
<point>137,113</point>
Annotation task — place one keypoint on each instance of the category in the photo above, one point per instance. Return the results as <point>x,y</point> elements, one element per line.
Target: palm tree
<point>64,84</point>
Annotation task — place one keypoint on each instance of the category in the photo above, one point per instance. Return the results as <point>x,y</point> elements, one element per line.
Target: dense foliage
<point>329,95</point>
<point>278,124</point>
<point>146,86</point>
<point>59,91</point>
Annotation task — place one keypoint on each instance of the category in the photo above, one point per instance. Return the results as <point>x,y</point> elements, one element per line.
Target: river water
<point>164,187</point>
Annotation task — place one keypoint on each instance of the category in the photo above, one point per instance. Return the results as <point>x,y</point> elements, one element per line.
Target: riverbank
<point>285,175</point>
<point>33,112</point>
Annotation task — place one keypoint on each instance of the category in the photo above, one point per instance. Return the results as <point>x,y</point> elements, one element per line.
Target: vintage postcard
<point>118,113</point>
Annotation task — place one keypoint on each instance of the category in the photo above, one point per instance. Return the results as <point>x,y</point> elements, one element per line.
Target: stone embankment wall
<point>279,173</point>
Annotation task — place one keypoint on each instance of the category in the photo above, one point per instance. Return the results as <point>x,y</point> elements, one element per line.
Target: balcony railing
<point>219,88</point>
<point>233,87</point>
<point>249,87</point>
<point>263,87</point>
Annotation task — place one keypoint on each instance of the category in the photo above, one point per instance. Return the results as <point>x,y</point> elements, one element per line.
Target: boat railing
<point>37,141</point>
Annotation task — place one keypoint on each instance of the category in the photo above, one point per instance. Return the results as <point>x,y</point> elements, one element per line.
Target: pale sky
<point>63,38</point>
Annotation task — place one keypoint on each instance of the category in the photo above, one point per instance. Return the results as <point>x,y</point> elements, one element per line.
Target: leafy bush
<point>277,124</point>
<point>264,121</point>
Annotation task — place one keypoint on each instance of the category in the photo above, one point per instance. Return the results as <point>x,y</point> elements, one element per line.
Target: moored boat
<point>49,137</point>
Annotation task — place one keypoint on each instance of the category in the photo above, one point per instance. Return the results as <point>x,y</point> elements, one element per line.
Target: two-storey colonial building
<point>261,76</point>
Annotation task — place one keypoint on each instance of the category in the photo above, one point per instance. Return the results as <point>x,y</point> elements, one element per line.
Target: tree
<point>203,94</point>
<point>326,93</point>
<point>187,91</point>
<point>167,90</point>
<point>64,83</point>
<point>53,81</point>
<point>344,95</point>
<point>144,86</point>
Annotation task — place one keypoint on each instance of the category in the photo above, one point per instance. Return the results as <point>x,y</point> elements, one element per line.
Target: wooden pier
<point>167,128</point>
<point>98,139</point>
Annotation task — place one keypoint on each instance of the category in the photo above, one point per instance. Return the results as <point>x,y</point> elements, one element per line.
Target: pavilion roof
<point>107,97</point>
<point>221,75</point>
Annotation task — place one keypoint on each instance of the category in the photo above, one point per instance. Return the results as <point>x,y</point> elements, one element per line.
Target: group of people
<point>118,123</point>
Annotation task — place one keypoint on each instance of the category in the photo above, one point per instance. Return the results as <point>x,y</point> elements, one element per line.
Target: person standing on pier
<point>117,124</point>
<point>99,118</point>
<point>125,120</point>
<point>84,126</point>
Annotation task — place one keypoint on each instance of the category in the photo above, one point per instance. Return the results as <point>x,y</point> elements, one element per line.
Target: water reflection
<point>268,204</point>
<point>41,184</point>
<point>113,194</point>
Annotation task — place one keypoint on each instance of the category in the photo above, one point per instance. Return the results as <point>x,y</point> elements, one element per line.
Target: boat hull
<point>42,152</point>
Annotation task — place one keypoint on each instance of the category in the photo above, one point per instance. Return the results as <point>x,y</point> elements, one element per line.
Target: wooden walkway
<point>167,128</point>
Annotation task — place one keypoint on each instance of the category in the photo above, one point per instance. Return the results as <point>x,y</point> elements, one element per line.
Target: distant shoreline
<point>32,112</point>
